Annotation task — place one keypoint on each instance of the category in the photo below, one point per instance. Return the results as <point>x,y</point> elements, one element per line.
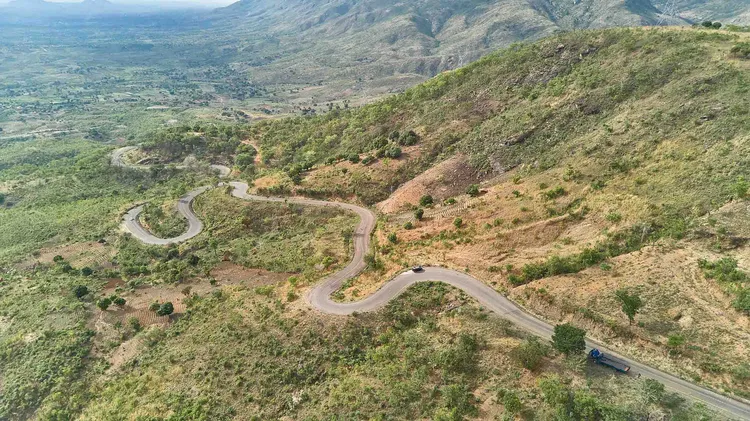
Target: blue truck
<point>615,363</point>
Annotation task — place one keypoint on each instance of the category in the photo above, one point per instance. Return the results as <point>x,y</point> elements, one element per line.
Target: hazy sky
<point>215,3</point>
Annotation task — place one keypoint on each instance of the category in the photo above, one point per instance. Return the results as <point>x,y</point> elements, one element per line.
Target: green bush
<point>569,339</point>
<point>425,201</point>
<point>165,309</point>
<point>530,353</point>
<point>741,50</point>
<point>104,303</point>
<point>80,291</point>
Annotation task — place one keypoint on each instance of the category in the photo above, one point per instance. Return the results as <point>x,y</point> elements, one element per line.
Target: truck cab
<point>600,358</point>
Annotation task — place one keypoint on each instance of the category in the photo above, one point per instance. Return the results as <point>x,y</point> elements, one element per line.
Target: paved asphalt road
<point>320,296</point>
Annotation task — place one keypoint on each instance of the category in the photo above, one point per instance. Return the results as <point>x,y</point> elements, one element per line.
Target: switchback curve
<point>320,296</point>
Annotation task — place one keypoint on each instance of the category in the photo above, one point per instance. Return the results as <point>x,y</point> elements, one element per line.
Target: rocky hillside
<point>395,42</point>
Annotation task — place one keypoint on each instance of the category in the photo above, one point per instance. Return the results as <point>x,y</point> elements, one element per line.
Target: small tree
<point>426,200</point>
<point>353,158</point>
<point>165,309</point>
<point>458,222</point>
<point>708,24</point>
<point>512,403</point>
<point>119,301</point>
<point>716,25</point>
<point>87,271</point>
<point>58,259</point>
<point>80,291</point>
<point>569,339</point>
<point>419,214</point>
<point>392,238</point>
<point>408,225</point>
<point>631,303</point>
<point>741,188</point>
<point>104,303</point>
<point>473,190</point>
<point>134,324</point>
<point>530,353</point>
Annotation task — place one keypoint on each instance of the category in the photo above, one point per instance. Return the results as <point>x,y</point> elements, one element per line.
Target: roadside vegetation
<point>411,360</point>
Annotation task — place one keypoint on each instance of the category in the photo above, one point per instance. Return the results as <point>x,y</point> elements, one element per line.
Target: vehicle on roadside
<point>615,363</point>
<point>417,269</point>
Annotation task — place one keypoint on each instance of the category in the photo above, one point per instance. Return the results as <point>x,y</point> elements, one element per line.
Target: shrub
<point>119,301</point>
<point>87,271</point>
<point>512,403</point>
<point>741,50</point>
<point>244,160</point>
<point>530,353</point>
<point>154,306</point>
<point>134,324</point>
<point>392,238</point>
<point>554,193</point>
<point>425,201</point>
<point>58,259</point>
<point>458,222</point>
<point>80,291</point>
<point>631,303</point>
<point>614,217</point>
<point>473,190</point>
<point>353,158</point>
<point>392,151</point>
<point>569,339</point>
<point>408,225</point>
<point>165,309</point>
<point>419,214</point>
<point>104,304</point>
<point>740,188</point>
<point>408,139</point>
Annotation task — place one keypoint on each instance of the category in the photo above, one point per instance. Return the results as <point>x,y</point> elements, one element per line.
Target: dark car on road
<point>417,269</point>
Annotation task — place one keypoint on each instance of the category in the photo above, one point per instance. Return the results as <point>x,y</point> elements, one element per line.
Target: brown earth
<point>91,254</point>
<point>446,179</point>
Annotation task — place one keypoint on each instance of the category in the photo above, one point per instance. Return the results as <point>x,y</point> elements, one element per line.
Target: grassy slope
<point>270,359</point>
<point>644,129</point>
<point>617,105</point>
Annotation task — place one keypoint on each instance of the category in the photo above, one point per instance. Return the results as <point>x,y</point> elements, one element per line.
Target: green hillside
<point>611,157</point>
<point>604,104</point>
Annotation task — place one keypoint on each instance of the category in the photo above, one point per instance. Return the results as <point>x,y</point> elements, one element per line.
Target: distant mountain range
<point>379,46</point>
<point>378,39</point>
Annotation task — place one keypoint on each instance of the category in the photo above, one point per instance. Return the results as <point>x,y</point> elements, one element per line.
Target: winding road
<point>320,296</point>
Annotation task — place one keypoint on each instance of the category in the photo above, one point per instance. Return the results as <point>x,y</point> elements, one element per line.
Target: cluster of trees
<point>105,302</point>
<point>211,140</point>
<point>711,25</point>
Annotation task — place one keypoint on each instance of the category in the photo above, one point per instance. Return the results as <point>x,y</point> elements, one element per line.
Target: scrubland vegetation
<point>656,118</point>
